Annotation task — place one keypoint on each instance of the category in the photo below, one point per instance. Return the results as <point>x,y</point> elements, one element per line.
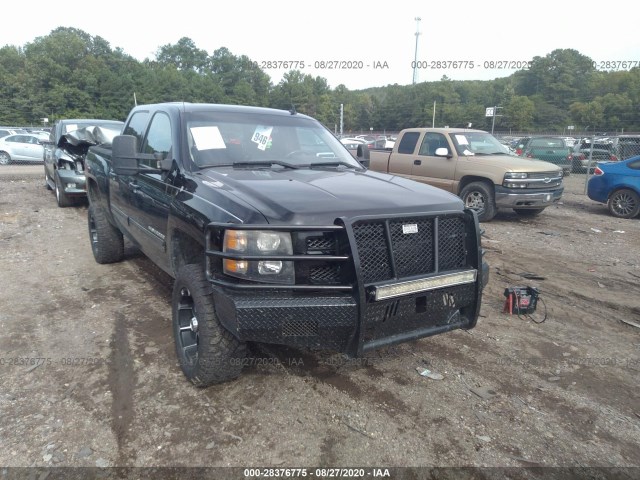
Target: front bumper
<point>511,198</point>
<point>333,322</point>
<point>73,183</point>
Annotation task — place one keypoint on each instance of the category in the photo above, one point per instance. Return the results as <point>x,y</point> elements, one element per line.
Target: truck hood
<point>513,164</point>
<point>319,196</point>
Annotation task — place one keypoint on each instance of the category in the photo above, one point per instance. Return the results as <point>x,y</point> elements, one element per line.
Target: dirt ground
<point>89,374</point>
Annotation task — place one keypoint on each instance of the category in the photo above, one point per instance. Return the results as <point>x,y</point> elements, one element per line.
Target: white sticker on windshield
<point>261,136</point>
<point>462,140</point>
<point>206,138</point>
<point>468,152</point>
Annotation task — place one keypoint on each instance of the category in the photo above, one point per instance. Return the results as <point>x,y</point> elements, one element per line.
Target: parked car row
<point>577,155</point>
<point>615,183</point>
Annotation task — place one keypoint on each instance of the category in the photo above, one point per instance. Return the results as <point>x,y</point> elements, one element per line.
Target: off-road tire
<point>107,242</point>
<point>479,196</point>
<point>62,198</point>
<point>529,212</point>
<point>207,352</point>
<point>624,203</point>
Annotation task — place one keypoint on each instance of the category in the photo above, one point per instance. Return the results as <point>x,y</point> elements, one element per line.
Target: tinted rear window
<point>408,142</point>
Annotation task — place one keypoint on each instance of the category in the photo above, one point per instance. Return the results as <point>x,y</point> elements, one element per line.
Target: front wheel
<point>624,203</point>
<point>47,180</point>
<point>528,212</point>
<point>207,352</point>
<point>479,196</point>
<point>62,198</point>
<point>5,159</point>
<point>107,242</point>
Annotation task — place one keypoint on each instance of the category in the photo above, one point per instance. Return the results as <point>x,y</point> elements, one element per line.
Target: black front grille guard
<point>215,230</point>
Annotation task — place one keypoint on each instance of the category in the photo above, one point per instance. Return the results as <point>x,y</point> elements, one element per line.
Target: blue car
<point>618,185</point>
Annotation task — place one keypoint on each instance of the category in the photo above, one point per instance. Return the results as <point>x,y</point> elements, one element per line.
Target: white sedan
<point>22,147</point>
<point>352,143</point>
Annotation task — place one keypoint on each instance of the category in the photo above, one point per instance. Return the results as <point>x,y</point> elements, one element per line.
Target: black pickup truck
<point>274,233</point>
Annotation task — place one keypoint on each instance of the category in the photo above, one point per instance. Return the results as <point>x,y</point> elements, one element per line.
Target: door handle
<point>134,186</point>
<point>417,162</point>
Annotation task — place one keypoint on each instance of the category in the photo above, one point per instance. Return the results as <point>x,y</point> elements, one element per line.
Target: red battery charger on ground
<point>520,300</point>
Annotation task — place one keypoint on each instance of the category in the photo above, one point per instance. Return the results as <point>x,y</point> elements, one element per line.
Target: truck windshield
<point>478,143</point>
<point>230,138</point>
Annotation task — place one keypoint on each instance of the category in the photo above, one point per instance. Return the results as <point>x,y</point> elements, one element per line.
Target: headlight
<point>512,175</point>
<point>255,243</point>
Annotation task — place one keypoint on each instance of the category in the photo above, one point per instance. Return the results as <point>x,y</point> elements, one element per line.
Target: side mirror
<point>442,152</point>
<point>363,155</point>
<point>124,155</point>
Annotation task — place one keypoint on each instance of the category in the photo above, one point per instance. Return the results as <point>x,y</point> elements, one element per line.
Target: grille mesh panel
<point>413,253</point>
<point>373,251</point>
<point>325,274</point>
<point>299,328</point>
<point>320,244</point>
<point>451,243</point>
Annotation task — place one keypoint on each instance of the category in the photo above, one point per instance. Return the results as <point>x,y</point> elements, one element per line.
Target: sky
<point>359,44</point>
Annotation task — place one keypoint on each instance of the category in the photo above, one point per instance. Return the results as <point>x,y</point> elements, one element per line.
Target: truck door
<point>401,161</point>
<point>121,186</point>
<point>436,171</point>
<point>152,193</point>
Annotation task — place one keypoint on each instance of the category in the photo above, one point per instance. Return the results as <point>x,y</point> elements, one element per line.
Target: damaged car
<point>64,155</point>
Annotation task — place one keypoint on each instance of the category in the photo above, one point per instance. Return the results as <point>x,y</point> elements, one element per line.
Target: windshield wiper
<point>329,164</point>
<point>265,163</point>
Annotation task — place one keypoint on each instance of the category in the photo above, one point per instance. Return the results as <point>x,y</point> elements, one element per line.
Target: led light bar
<point>423,285</point>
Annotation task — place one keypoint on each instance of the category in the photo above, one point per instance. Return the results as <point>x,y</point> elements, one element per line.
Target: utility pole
<point>433,120</point>
<point>415,57</point>
<point>495,114</point>
<point>341,118</point>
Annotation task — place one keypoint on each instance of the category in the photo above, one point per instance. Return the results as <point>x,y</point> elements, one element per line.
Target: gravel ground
<point>90,378</point>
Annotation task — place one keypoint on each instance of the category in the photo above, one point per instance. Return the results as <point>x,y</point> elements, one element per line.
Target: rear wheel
<point>107,242</point>
<point>479,196</point>
<point>528,212</point>
<point>624,203</point>
<point>207,352</point>
<point>5,159</point>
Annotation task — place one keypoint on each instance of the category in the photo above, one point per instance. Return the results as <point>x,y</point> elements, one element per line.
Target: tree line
<point>71,74</point>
